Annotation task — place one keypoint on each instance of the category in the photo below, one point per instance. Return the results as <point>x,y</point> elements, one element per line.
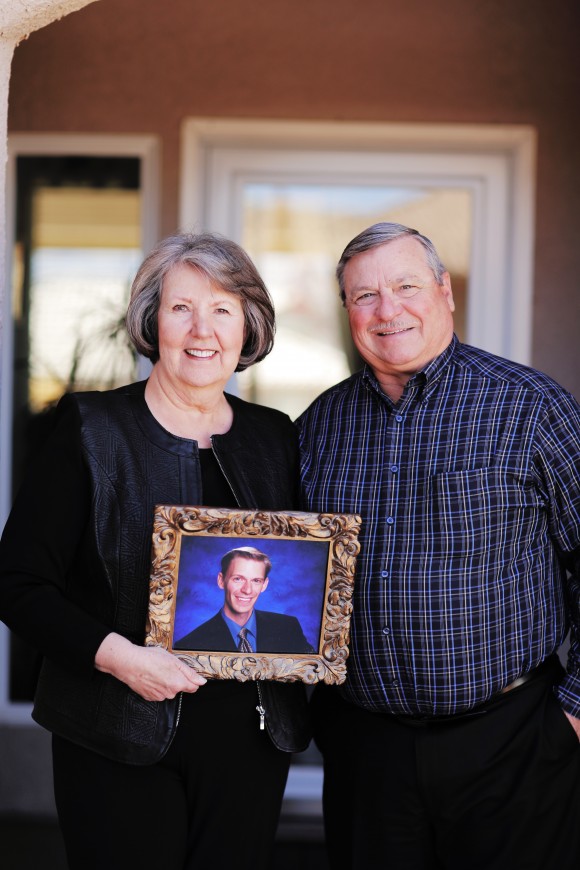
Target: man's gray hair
<point>225,264</point>
<point>381,234</point>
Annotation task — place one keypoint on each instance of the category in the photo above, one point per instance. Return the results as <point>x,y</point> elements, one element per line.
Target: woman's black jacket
<point>76,550</point>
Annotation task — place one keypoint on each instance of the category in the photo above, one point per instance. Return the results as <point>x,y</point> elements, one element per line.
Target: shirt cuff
<point>568,694</point>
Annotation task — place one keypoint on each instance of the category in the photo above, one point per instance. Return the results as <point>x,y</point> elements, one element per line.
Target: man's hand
<point>575,723</point>
<point>152,672</point>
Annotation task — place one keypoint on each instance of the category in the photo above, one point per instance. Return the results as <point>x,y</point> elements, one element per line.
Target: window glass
<point>77,247</point>
<point>296,234</point>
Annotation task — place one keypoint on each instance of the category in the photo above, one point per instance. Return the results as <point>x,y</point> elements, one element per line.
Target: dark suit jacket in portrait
<point>277,633</point>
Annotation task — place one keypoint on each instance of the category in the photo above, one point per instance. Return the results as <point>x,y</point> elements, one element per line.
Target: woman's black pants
<point>212,802</point>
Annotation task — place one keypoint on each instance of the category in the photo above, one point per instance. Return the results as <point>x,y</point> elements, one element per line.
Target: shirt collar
<point>422,381</point>
<point>235,628</point>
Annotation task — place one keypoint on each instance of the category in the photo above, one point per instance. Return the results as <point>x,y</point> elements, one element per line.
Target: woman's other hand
<point>152,672</point>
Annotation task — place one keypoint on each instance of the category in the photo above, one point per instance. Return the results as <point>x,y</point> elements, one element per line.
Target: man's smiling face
<point>242,583</point>
<point>400,317</point>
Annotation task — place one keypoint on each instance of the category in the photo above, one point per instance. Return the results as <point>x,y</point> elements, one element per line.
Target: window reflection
<point>296,233</point>
<point>77,247</point>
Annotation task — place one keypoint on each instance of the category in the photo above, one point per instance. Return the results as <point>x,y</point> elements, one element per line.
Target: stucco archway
<point>17,22</point>
<point>22,750</point>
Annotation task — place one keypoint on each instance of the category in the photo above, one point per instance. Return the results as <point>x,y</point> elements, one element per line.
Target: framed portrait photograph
<point>253,595</point>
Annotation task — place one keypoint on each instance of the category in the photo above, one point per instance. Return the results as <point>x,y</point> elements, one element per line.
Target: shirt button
<point>384,573</point>
<point>394,683</point>
<point>386,630</point>
<point>394,468</point>
<point>390,521</point>
<point>398,418</point>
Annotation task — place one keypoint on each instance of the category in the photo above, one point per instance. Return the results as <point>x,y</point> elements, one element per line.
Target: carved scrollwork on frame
<point>175,527</point>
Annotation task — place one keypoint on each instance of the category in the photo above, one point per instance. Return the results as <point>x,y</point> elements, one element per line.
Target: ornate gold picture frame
<point>302,626</point>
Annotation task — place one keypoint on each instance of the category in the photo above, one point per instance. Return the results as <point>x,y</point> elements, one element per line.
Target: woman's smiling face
<point>200,330</point>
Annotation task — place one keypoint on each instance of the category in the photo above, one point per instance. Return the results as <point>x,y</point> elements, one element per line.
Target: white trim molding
<point>496,163</point>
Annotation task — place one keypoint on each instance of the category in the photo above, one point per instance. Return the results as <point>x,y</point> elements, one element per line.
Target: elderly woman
<point>153,765</point>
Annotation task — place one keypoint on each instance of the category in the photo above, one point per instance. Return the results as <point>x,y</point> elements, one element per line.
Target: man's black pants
<point>498,791</point>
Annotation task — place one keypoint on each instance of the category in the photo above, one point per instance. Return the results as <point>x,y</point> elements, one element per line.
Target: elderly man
<point>455,741</point>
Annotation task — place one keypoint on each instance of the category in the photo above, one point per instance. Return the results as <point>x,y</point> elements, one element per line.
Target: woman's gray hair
<point>380,234</point>
<point>225,264</point>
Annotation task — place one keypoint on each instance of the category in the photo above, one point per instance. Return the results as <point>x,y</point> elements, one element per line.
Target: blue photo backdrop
<point>296,587</point>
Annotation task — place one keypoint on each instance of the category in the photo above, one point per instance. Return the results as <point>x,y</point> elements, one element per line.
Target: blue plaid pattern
<point>469,492</point>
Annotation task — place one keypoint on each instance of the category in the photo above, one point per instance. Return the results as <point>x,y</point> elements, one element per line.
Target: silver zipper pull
<point>262,713</point>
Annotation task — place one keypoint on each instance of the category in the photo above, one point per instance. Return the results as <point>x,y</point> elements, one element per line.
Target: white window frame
<point>496,163</point>
<point>147,149</point>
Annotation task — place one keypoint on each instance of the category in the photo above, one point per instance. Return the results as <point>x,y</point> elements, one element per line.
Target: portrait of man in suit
<point>239,624</point>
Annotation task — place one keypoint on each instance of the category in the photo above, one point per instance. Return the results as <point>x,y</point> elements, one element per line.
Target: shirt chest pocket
<point>475,511</point>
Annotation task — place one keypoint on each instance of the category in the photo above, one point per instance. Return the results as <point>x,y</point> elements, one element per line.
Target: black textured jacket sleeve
<point>39,546</point>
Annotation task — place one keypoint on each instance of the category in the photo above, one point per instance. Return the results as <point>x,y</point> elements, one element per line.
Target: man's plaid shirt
<point>469,492</point>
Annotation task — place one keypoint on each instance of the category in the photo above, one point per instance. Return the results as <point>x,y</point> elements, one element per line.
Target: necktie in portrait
<point>244,644</point>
